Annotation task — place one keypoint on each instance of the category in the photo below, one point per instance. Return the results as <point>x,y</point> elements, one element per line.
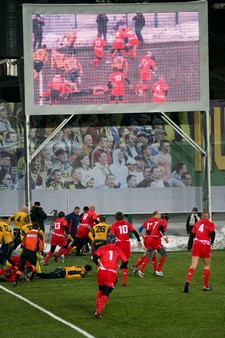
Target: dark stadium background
<point>11,43</point>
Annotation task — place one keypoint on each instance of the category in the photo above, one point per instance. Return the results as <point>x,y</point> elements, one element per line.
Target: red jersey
<point>132,38</point>
<point>86,224</point>
<point>154,232</point>
<point>202,230</point>
<point>118,42</point>
<point>160,89</point>
<point>149,224</point>
<point>99,44</point>
<point>60,226</point>
<point>146,66</point>
<point>155,228</point>
<point>109,255</point>
<point>146,62</point>
<point>121,230</point>
<point>117,80</point>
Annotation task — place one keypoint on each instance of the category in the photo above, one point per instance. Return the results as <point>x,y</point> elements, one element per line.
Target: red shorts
<point>118,45</point>
<point>160,98</point>
<point>107,278</point>
<point>58,240</point>
<point>118,91</point>
<point>98,53</point>
<point>125,246</point>
<point>82,231</point>
<point>200,249</point>
<point>145,75</point>
<point>154,243</point>
<point>146,239</point>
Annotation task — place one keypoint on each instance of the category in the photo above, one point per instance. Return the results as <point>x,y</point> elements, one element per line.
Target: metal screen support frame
<point>30,157</point>
<point>205,155</point>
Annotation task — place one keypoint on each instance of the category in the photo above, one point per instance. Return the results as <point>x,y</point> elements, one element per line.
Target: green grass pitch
<point>150,307</point>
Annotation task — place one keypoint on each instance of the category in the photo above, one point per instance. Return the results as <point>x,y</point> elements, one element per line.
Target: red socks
<point>124,276</point>
<point>161,262</point>
<point>144,264</point>
<point>139,262</point>
<point>206,274</point>
<point>102,303</point>
<point>190,274</point>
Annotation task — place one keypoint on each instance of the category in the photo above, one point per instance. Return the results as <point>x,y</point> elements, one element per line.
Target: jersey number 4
<point>201,228</point>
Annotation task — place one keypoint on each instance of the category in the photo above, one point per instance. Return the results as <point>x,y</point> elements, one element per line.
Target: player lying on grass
<point>75,271</point>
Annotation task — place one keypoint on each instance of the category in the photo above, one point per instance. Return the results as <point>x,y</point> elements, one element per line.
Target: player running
<point>155,231</point>
<point>58,62</point>
<point>107,258</point>
<point>132,43</point>
<point>203,232</point>
<point>160,90</point>
<point>98,44</point>
<point>116,84</point>
<point>147,66</point>
<point>59,234</point>
<point>120,63</point>
<point>74,70</point>
<point>118,43</point>
<point>121,229</point>
<point>40,56</point>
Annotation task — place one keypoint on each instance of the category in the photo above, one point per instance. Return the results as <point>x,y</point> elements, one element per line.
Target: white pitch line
<point>50,314</point>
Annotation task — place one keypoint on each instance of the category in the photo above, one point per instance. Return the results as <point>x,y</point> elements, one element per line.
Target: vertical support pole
<point>206,165</point>
<point>28,164</point>
<point>156,23</point>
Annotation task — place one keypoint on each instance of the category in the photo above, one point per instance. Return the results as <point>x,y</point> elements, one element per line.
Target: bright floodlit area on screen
<point>127,59</point>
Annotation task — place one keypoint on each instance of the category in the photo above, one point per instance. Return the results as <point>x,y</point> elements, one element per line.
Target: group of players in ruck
<point>109,245</point>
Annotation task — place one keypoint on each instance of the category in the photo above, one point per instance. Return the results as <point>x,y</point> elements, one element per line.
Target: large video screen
<point>82,59</point>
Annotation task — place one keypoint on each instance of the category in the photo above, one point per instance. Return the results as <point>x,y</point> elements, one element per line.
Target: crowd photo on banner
<point>93,152</point>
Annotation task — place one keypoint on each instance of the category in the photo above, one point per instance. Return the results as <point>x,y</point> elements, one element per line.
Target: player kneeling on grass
<point>76,271</point>
<point>107,258</point>
<point>203,233</point>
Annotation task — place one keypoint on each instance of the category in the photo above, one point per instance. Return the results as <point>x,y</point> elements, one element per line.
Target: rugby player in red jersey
<point>153,241</point>
<point>98,44</point>
<point>145,232</point>
<point>203,233</point>
<point>147,66</point>
<point>160,89</point>
<point>88,219</point>
<point>116,84</point>
<point>121,229</point>
<point>58,237</point>
<point>107,258</point>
